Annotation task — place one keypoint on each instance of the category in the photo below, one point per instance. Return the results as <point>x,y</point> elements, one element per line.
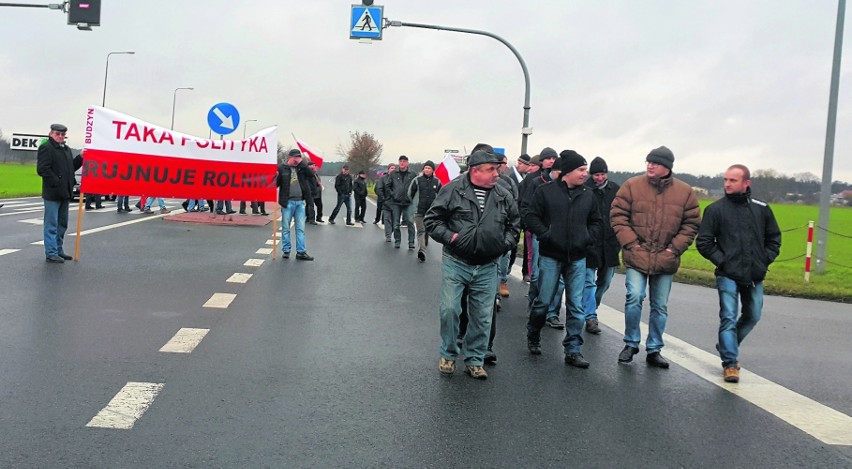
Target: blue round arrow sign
<point>223,118</point>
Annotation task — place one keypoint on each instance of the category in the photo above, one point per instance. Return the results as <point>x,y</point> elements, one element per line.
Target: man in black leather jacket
<point>477,221</point>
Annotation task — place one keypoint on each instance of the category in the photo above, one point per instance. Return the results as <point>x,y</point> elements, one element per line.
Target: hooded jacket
<point>740,236</point>
<point>651,217</point>
<point>565,221</point>
<point>483,237</point>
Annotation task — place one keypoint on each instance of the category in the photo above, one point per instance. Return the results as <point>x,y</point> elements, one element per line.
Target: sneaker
<point>576,360</point>
<point>626,355</point>
<point>554,323</point>
<point>656,360</point>
<point>421,256</point>
<point>165,210</point>
<point>475,371</point>
<point>490,357</point>
<point>732,374</point>
<point>504,289</point>
<point>592,326</point>
<point>446,367</point>
<point>286,255</point>
<point>534,347</point>
<point>304,256</point>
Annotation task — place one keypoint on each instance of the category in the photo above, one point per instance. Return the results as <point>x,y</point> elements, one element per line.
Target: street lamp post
<point>174,101</point>
<point>106,72</point>
<point>245,124</point>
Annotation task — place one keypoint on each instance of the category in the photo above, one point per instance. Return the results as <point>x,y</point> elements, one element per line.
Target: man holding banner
<point>56,167</point>
<point>293,190</point>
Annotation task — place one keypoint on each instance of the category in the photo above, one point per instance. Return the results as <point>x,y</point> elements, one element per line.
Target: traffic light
<point>84,13</point>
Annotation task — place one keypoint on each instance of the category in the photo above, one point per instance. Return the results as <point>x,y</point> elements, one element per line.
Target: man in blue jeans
<point>56,166</point>
<point>740,236</point>
<point>655,218</point>
<point>477,221</point>
<point>564,216</point>
<point>293,190</point>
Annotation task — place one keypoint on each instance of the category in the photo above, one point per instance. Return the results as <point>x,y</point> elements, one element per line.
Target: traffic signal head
<point>84,13</point>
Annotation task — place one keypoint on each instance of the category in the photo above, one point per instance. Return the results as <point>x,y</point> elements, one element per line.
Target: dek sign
<point>366,22</point>
<point>27,142</point>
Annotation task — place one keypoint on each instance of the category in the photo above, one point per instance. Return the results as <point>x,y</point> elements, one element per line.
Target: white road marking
<point>822,422</point>
<point>127,406</point>
<point>33,221</point>
<point>185,341</point>
<point>269,242</point>
<point>266,251</point>
<point>22,212</point>
<point>253,263</point>
<point>3,252</point>
<point>220,300</point>
<point>115,225</point>
<point>239,278</point>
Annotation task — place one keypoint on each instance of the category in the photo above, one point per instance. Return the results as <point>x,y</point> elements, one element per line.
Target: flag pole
<point>79,225</point>
<point>275,230</point>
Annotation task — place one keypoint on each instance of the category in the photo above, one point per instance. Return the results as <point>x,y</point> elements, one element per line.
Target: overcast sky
<point>718,82</point>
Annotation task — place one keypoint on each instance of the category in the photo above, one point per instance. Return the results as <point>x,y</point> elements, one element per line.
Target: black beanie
<point>547,153</point>
<point>569,160</point>
<point>430,164</point>
<point>598,166</point>
<point>662,156</point>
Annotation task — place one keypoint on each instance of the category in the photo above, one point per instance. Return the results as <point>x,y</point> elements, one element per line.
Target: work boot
<point>626,355</point>
<point>656,360</point>
<point>732,373</point>
<point>446,367</point>
<point>421,256</point>
<point>592,326</point>
<point>476,371</point>
<point>554,323</point>
<point>534,347</point>
<point>576,360</point>
<point>504,289</point>
<point>304,256</point>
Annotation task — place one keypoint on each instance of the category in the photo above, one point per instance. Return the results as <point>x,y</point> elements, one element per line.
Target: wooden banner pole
<point>79,227</point>
<point>275,230</point>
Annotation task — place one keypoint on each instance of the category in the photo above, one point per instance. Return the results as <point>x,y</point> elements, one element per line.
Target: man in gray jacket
<point>477,221</point>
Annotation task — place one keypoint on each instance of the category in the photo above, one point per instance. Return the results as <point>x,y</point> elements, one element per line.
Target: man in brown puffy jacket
<point>655,218</point>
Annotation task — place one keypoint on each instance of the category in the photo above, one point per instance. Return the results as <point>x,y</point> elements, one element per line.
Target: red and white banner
<point>126,156</point>
<point>447,170</point>
<point>314,156</point>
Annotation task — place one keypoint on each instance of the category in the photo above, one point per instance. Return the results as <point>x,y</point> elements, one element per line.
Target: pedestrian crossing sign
<point>366,22</point>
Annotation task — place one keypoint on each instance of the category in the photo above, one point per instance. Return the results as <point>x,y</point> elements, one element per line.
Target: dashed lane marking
<point>220,300</point>
<point>116,225</point>
<point>253,263</point>
<point>239,278</point>
<point>127,406</point>
<point>22,212</point>
<point>270,242</point>
<point>265,251</point>
<point>3,252</point>
<point>821,422</point>
<point>185,341</point>
<point>33,221</point>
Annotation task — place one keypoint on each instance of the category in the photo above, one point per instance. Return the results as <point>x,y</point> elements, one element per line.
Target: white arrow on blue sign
<point>223,118</point>
<point>366,22</point>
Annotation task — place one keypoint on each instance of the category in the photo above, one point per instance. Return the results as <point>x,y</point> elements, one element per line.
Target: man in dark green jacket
<point>56,166</point>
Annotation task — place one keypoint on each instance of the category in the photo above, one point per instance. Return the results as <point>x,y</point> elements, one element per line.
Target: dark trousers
<point>378,210</point>
<point>463,320</point>
<point>318,206</point>
<point>360,207</point>
<point>343,199</point>
<point>93,197</point>
<point>256,207</point>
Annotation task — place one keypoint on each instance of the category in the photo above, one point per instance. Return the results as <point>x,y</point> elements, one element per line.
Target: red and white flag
<point>128,156</point>
<point>447,170</point>
<point>314,156</point>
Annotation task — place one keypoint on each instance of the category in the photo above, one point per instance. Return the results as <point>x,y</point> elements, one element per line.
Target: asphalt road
<point>333,363</point>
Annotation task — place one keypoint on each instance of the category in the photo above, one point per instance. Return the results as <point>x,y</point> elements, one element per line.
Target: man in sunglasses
<point>56,166</point>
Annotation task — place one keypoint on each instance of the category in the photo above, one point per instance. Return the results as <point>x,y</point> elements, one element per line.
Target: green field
<point>19,180</point>
<point>786,275</point>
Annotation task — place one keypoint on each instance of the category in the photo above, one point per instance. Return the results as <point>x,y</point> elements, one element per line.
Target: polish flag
<point>447,170</point>
<point>311,154</point>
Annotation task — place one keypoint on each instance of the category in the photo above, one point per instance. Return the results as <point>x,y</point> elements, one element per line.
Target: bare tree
<point>361,152</point>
